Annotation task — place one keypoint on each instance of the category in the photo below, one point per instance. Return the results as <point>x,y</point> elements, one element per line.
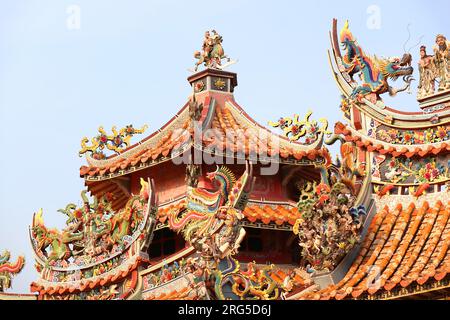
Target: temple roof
<point>406,246</point>
<point>155,148</point>
<point>228,122</point>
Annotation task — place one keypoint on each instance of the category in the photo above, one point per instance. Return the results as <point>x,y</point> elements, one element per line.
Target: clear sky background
<point>128,61</point>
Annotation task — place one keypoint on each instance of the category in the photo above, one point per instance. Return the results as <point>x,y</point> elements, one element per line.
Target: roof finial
<point>212,53</point>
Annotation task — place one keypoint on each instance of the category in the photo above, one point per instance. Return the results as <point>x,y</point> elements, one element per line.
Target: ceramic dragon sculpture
<point>210,220</point>
<point>56,241</point>
<point>93,229</point>
<point>231,282</point>
<point>8,269</point>
<point>374,72</point>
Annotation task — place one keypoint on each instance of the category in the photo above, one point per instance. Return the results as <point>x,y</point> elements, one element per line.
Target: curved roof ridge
<point>240,113</point>
<point>146,142</point>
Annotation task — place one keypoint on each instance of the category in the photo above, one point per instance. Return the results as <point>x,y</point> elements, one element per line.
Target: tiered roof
<point>405,249</point>
<point>222,114</point>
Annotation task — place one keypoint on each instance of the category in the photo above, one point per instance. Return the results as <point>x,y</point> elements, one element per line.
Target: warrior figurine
<point>212,52</point>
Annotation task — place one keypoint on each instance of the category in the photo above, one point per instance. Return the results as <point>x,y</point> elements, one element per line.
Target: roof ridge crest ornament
<point>294,129</point>
<point>212,53</point>
<point>118,141</point>
<point>375,72</point>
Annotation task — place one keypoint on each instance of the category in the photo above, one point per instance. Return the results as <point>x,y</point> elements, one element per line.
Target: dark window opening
<point>269,246</point>
<point>165,243</point>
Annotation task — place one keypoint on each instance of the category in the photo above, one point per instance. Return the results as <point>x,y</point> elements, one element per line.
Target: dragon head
<point>394,68</point>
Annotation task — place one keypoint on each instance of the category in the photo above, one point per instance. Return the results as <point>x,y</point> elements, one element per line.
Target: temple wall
<point>169,180</point>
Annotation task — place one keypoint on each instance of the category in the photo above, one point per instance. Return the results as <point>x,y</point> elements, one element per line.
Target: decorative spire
<point>212,53</point>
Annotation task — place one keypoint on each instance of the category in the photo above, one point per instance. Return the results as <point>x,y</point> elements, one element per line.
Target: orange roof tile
<point>161,149</point>
<point>278,214</point>
<point>403,246</point>
<point>241,136</point>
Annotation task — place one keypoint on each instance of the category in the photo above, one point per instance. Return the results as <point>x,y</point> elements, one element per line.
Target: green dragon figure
<point>232,283</point>
<point>57,241</point>
<point>93,229</point>
<point>374,72</point>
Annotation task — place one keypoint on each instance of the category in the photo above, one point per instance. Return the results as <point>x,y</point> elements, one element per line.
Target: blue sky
<point>127,63</point>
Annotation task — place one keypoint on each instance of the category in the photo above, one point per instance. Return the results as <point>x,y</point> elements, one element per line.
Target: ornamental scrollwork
<point>413,171</point>
<point>411,137</point>
<point>295,129</point>
<point>231,282</point>
<point>116,142</point>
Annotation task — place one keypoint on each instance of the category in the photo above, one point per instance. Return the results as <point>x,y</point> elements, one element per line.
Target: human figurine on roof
<point>427,72</point>
<point>212,52</point>
<point>442,61</point>
<point>207,45</point>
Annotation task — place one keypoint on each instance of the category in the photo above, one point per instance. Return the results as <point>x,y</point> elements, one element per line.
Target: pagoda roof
<point>406,246</point>
<point>154,149</point>
<point>224,116</point>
